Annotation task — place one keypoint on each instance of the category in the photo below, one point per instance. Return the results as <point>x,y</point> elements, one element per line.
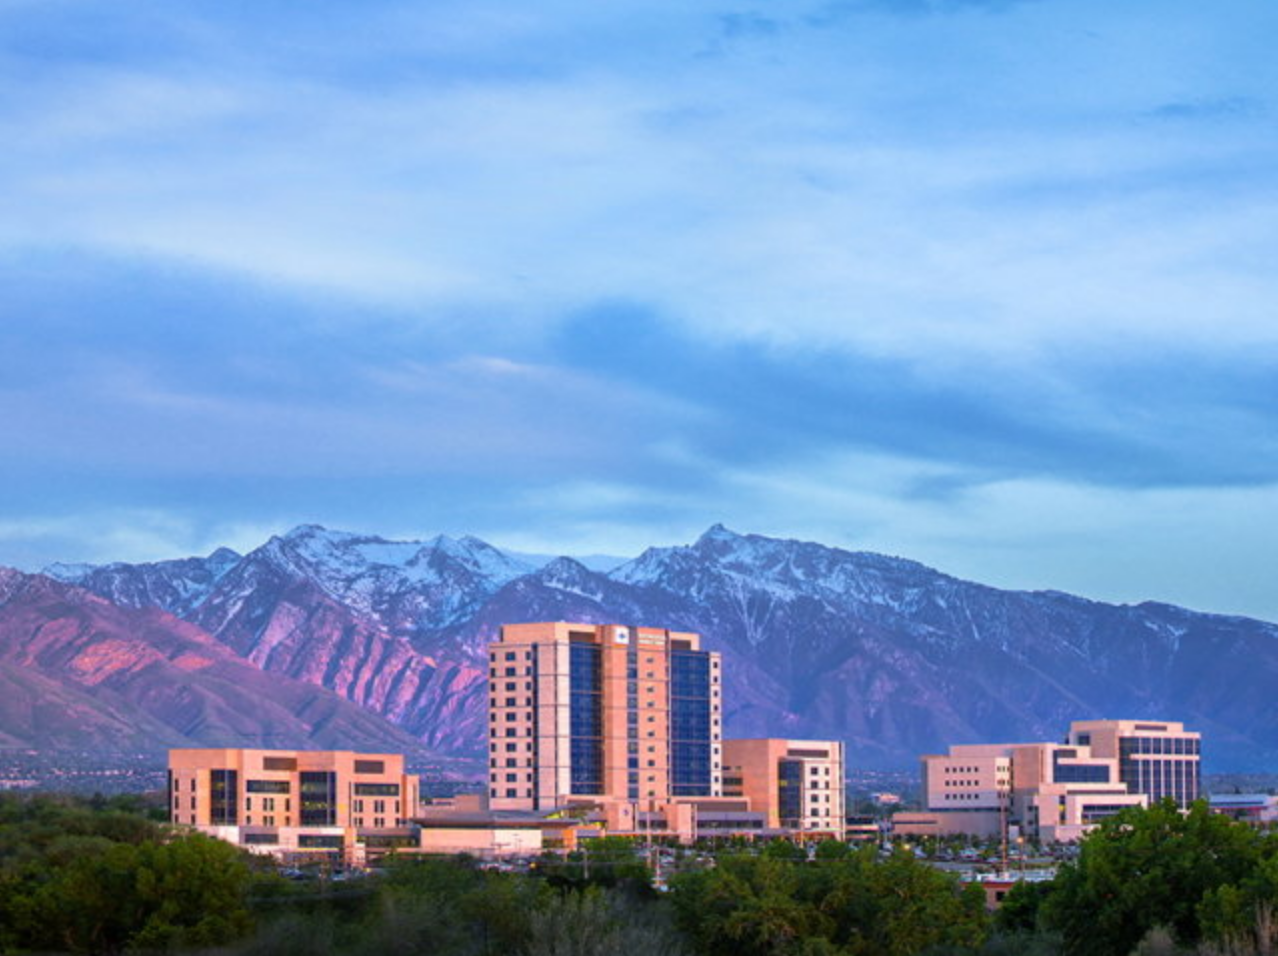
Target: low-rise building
<point>798,785</point>
<point>1254,808</point>
<point>1060,792</point>
<point>333,803</point>
<point>1158,758</point>
<point>1055,792</point>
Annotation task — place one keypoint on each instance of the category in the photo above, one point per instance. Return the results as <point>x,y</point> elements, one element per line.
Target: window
<point>377,789</point>
<point>223,785</point>
<point>370,766</point>
<point>267,786</point>
<point>319,798</point>
<point>690,723</point>
<point>314,841</point>
<point>585,718</point>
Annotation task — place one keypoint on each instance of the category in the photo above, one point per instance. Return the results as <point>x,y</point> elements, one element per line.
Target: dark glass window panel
<point>318,798</point>
<point>224,797</point>
<point>790,792</point>
<point>1078,773</point>
<point>585,718</point>
<point>267,786</point>
<point>316,841</point>
<point>377,790</point>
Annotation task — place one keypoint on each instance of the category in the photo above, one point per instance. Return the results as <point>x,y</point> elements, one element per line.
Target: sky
<point>989,284</point>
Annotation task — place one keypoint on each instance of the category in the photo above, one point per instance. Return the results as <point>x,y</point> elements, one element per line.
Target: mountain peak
<point>562,566</point>
<point>223,557</point>
<point>718,532</point>
<point>68,573</point>
<point>306,531</point>
<point>569,574</point>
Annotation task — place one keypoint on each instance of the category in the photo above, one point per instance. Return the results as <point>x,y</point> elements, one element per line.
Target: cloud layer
<point>988,283</point>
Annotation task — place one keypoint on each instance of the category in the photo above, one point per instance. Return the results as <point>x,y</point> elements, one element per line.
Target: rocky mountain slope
<point>79,672</point>
<point>892,656</point>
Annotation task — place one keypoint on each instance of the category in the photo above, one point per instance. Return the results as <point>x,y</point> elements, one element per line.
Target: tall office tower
<point>599,713</point>
<point>1157,758</point>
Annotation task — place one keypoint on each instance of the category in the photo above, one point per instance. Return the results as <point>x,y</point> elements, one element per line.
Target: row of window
<point>1187,746</point>
<point>498,672</point>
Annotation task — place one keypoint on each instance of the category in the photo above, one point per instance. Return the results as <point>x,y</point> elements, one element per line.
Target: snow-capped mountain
<point>406,585</point>
<point>176,586</point>
<point>892,656</point>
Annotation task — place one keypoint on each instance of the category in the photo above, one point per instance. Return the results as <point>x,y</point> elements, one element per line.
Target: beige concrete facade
<point>539,759</point>
<point>294,801</point>
<point>482,841</point>
<point>1047,791</point>
<point>797,784</point>
<point>967,790</point>
<point>1157,758</point>
<point>1060,792</point>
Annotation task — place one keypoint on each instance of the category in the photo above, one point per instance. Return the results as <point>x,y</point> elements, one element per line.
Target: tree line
<point>102,877</point>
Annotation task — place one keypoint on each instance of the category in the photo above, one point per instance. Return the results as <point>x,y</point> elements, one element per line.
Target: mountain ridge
<point>889,654</point>
<point>80,671</point>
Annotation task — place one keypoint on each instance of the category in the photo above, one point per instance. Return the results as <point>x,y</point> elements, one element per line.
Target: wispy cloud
<point>129,535</point>
<point>1230,107</point>
<point>403,265</point>
<point>824,201</point>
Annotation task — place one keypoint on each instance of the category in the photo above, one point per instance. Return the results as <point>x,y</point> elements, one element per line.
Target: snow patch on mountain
<point>69,573</point>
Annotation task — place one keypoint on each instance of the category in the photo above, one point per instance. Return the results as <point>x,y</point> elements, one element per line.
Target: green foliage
<point>86,877</point>
<point>450,905</point>
<point>597,923</point>
<point>96,878</point>
<point>603,861</point>
<point>1019,912</point>
<point>1143,869</point>
<point>784,850</point>
<point>856,906</point>
<point>833,850</point>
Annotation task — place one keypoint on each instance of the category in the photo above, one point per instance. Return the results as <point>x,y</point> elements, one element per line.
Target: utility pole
<point>1002,819</point>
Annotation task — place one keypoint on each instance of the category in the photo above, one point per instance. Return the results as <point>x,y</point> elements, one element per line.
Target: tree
<point>602,861</point>
<point>90,895</point>
<point>1144,868</point>
<point>856,905</point>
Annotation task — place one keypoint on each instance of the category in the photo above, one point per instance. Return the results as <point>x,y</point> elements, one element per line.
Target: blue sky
<point>990,285</point>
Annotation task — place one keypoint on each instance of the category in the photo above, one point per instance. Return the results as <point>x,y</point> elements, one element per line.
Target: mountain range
<point>387,641</point>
